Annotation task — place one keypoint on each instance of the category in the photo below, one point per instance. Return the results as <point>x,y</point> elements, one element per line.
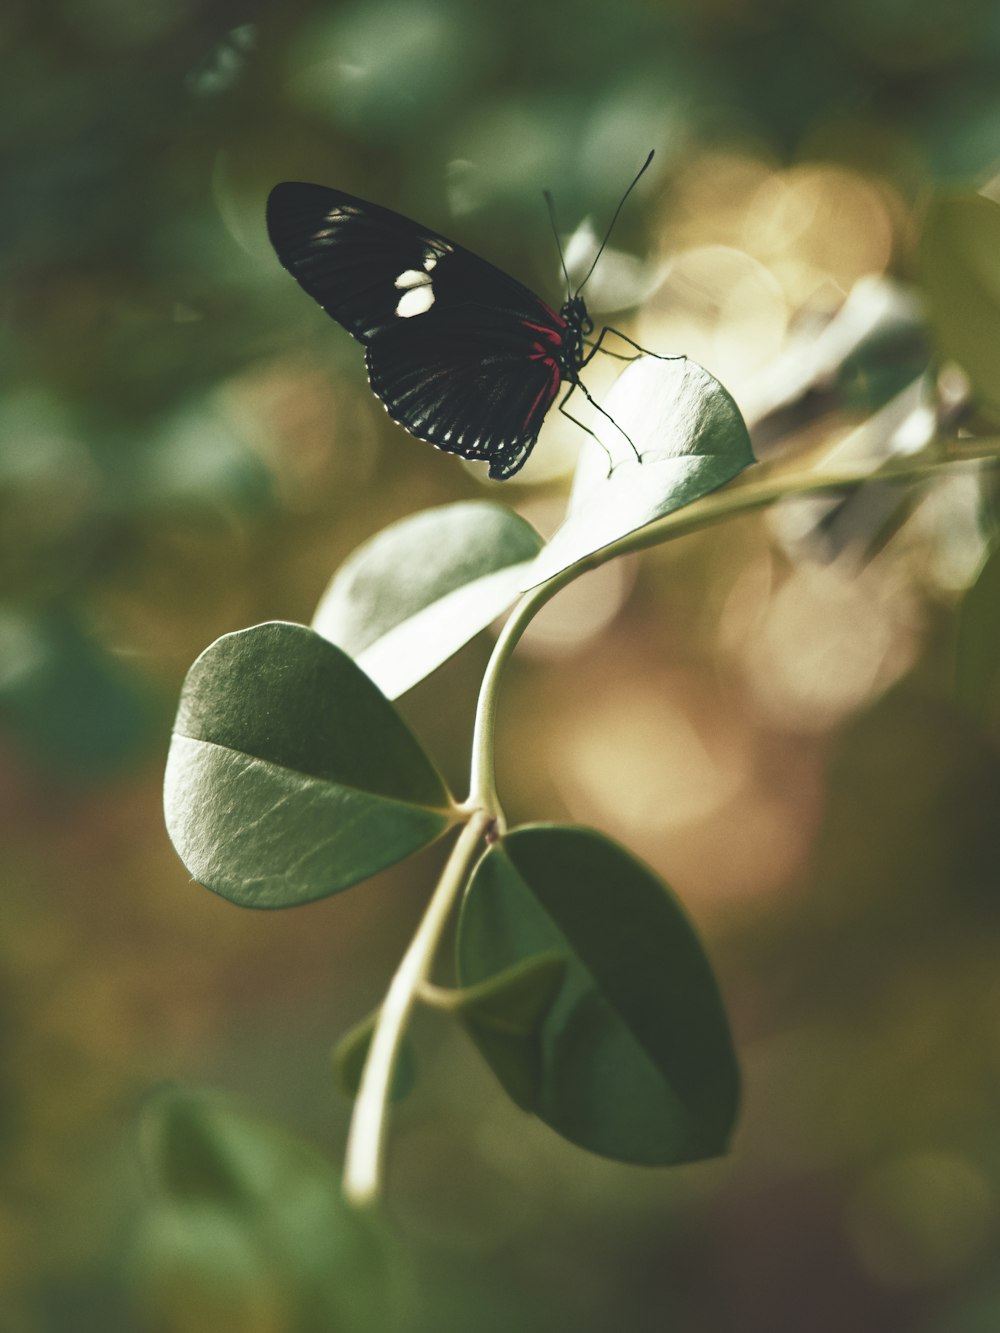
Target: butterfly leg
<point>586,392</point>
<point>642,351</point>
<point>617,356</point>
<point>577,422</point>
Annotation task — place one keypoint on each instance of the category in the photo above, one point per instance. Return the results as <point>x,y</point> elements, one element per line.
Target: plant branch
<point>482,783</point>
<point>364,1158</point>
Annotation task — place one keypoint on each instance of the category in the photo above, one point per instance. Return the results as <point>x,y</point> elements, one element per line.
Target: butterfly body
<point>461,354</point>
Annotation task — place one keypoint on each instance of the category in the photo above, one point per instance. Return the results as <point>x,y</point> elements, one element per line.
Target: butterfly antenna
<point>607,234</point>
<point>555,232</point>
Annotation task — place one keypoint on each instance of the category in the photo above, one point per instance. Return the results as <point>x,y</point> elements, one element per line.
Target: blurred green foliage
<point>188,447</point>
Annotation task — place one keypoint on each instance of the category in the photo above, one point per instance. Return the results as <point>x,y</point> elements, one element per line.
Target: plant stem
<point>364,1158</point>
<point>482,783</point>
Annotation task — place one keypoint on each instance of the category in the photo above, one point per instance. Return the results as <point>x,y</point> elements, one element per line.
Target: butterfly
<point>461,354</point>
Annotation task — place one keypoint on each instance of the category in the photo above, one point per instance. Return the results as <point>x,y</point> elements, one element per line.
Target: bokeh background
<point>764,711</point>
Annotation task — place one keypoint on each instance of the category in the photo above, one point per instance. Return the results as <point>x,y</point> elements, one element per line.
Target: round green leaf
<point>409,598</point>
<point>290,776</point>
<point>637,1059</point>
<point>960,270</point>
<point>691,439</point>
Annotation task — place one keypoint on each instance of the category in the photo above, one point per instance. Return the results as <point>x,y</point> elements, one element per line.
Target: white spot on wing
<point>416,301</point>
<point>412,277</point>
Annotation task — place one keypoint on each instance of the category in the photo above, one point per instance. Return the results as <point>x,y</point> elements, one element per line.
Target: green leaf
<point>637,1059</point>
<point>351,1052</point>
<point>960,271</point>
<point>247,1224</point>
<point>977,651</point>
<point>290,776</point>
<point>409,598</point>
<point>691,438</point>
<point>505,1016</point>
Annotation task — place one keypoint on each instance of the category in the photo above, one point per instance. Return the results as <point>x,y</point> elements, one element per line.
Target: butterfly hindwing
<point>469,381</point>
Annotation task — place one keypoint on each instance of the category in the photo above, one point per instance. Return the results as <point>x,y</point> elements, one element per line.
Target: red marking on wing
<point>541,350</point>
<point>553,335</point>
<point>547,391</point>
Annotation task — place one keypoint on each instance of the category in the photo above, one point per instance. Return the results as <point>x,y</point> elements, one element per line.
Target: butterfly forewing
<point>460,353</point>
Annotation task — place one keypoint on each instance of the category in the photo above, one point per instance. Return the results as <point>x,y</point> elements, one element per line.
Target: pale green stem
<point>482,785</point>
<point>364,1158</point>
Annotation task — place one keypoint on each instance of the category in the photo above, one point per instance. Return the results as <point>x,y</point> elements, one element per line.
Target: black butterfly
<point>461,354</point>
